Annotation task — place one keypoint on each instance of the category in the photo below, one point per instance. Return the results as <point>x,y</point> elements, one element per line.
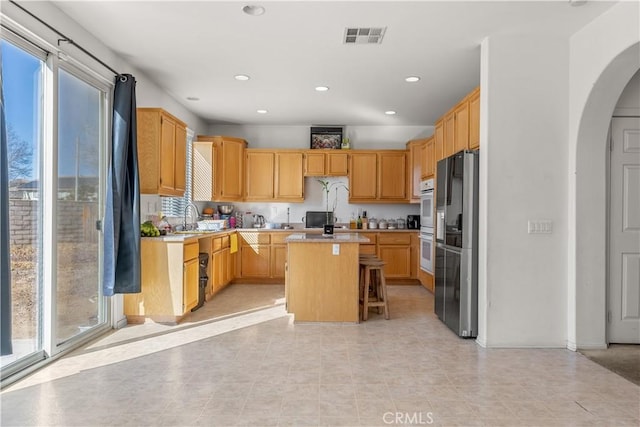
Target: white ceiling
<point>194,49</point>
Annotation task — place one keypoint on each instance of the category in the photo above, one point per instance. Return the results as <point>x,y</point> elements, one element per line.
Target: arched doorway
<point>588,207</point>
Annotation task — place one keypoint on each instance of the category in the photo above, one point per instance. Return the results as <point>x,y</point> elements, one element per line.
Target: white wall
<point>362,137</point>
<point>604,56</point>
<point>315,201</point>
<point>148,94</point>
<point>522,279</point>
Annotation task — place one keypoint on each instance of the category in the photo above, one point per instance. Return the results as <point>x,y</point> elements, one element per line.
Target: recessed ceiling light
<point>390,113</point>
<point>253,10</point>
<point>412,79</point>
<point>322,88</point>
<point>242,77</point>
<point>193,98</point>
<point>262,111</point>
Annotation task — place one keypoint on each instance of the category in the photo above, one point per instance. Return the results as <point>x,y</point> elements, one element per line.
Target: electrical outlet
<point>336,249</point>
<point>543,226</point>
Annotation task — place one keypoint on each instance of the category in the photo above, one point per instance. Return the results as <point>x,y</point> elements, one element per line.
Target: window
<point>175,206</point>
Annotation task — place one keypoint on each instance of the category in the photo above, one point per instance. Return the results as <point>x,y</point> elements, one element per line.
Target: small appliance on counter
<point>413,222</point>
<point>317,219</point>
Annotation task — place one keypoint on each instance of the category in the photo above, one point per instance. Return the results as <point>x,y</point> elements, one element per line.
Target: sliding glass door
<point>80,112</point>
<point>57,115</point>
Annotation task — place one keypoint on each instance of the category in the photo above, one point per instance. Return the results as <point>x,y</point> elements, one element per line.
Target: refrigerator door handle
<point>440,226</point>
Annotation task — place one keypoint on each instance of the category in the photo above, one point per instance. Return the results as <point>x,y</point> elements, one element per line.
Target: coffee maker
<point>413,222</point>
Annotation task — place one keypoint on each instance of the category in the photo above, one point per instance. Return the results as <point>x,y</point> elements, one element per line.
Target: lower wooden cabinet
<point>190,272</point>
<point>395,250</point>
<point>169,278</point>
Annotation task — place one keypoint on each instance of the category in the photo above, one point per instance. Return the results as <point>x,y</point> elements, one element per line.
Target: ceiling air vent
<point>364,35</point>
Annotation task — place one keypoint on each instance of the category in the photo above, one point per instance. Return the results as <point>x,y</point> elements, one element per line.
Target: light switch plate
<point>336,249</point>
<point>541,226</point>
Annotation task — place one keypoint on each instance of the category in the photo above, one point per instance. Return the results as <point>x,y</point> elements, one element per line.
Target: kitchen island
<point>321,283</point>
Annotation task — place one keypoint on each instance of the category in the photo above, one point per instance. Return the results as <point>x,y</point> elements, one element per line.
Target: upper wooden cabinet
<point>461,134</point>
<point>274,175</point>
<point>162,141</point>
<point>428,159</point>
<point>438,135</point>
<point>325,163</point>
<point>260,166</point>
<point>363,176</point>
<point>416,149</point>
<point>449,133</point>
<point>378,176</point>
<point>289,179</point>
<point>221,159</point>
<point>474,119</point>
<point>459,128</point>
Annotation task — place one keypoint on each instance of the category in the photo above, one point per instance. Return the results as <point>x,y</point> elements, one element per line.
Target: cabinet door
<point>289,180</point>
<point>167,156</point>
<point>398,261</point>
<point>415,169</point>
<point>314,164</point>
<point>278,260</point>
<point>393,176</point>
<point>337,164</point>
<point>474,119</point>
<point>230,170</point>
<point>254,261</point>
<point>259,178</point>
<point>449,133</point>
<point>202,175</point>
<point>224,267</point>
<point>180,166</point>
<point>190,277</point>
<point>217,271</point>
<point>363,173</point>
<point>429,161</point>
<point>439,140</point>
<point>461,134</point>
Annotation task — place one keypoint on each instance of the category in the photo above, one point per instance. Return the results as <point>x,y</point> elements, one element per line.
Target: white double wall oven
<point>426,225</point>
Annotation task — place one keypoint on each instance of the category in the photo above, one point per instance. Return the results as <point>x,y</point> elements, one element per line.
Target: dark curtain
<point>122,215</point>
<point>5,259</point>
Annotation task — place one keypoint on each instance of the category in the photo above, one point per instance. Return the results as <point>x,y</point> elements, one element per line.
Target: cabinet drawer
<point>367,249</point>
<point>216,244</point>
<point>279,238</point>
<point>190,251</point>
<point>252,238</point>
<point>394,239</point>
<point>225,241</point>
<point>371,236</point>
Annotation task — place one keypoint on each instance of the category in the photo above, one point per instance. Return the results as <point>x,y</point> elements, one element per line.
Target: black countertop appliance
<point>413,222</point>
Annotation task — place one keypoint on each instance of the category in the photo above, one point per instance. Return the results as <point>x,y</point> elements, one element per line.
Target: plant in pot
<point>327,186</point>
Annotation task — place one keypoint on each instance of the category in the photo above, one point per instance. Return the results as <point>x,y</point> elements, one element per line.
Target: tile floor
<point>258,368</point>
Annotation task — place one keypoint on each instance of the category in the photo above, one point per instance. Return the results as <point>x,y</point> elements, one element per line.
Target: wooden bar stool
<point>372,282</point>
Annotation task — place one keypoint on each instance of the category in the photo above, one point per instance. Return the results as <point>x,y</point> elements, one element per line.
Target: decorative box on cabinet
<point>162,141</point>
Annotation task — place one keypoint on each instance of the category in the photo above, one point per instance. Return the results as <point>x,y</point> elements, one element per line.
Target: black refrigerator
<point>456,260</point>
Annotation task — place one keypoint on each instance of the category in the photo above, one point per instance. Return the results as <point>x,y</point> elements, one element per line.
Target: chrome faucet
<point>186,208</point>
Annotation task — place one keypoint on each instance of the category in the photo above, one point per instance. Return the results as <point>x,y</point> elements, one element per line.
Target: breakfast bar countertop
<point>322,238</point>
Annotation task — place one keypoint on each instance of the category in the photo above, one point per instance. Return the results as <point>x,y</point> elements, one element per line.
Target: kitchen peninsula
<point>321,283</point>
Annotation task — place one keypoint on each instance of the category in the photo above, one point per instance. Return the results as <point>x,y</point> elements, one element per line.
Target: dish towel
<point>233,242</point>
